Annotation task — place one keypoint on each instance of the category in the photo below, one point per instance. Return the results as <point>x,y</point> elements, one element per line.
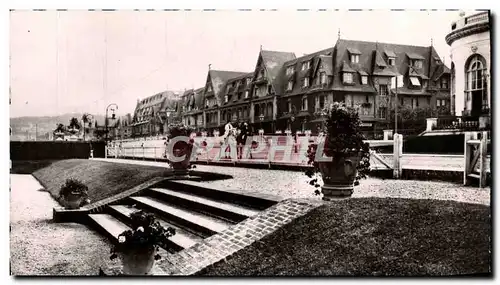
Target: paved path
<point>40,247</point>
<point>293,184</point>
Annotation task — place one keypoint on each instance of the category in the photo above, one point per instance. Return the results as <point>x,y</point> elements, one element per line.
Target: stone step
<point>200,223</point>
<point>229,211</point>
<point>109,224</point>
<point>182,238</point>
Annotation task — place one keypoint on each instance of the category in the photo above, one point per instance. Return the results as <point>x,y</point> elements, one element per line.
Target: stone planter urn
<point>138,261</point>
<point>181,168</point>
<point>73,201</point>
<point>338,177</point>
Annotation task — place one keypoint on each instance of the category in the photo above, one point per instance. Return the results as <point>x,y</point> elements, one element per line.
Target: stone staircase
<point>194,211</point>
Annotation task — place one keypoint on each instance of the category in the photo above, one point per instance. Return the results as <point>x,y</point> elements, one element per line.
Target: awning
<point>414,81</point>
<point>414,56</point>
<point>390,53</point>
<point>353,50</point>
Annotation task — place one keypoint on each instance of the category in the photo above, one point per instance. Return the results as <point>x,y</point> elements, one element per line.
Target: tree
<point>60,128</point>
<point>74,124</point>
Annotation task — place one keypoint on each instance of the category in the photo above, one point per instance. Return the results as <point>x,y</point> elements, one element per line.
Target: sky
<point>81,61</point>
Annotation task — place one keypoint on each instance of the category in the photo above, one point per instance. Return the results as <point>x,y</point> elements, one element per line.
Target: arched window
<point>475,81</point>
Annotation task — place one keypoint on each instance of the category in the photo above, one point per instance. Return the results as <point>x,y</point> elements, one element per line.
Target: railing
<point>456,123</point>
<point>483,17</point>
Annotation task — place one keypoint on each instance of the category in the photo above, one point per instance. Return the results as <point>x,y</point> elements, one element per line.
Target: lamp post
<point>106,118</point>
<point>261,119</point>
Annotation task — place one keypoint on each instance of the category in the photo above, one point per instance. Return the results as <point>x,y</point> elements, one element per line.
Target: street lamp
<point>112,117</point>
<point>261,118</point>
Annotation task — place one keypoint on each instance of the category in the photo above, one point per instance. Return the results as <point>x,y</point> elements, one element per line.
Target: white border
<point>199,4</point>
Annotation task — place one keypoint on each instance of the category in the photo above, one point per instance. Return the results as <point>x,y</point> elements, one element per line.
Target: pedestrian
<point>242,138</point>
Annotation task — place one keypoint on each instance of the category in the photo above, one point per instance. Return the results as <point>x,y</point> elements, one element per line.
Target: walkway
<point>40,247</point>
<point>293,184</point>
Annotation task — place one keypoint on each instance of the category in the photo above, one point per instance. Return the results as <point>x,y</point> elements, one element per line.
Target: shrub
<point>146,233</point>
<point>74,187</point>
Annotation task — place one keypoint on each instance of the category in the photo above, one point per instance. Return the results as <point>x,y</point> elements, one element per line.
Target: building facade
<point>152,114</point>
<point>469,40</point>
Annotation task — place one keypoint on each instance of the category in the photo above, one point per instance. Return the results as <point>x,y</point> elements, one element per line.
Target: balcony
<point>466,26</point>
<point>260,80</point>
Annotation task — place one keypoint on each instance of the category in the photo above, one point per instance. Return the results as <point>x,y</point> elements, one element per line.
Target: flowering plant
<point>181,147</point>
<point>343,138</point>
<point>146,233</point>
<point>74,187</point>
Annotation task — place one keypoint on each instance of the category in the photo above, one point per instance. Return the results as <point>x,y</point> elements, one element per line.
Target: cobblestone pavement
<point>288,184</point>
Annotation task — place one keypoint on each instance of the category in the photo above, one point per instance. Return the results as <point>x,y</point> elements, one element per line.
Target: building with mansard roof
<point>151,114</point>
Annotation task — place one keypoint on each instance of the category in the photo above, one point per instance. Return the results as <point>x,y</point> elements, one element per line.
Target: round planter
<point>338,177</point>
<point>73,201</point>
<point>181,168</point>
<point>138,261</point>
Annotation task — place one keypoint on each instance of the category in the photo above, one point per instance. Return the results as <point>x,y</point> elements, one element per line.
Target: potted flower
<point>74,194</point>
<point>138,247</point>
<point>181,148</point>
<point>346,158</point>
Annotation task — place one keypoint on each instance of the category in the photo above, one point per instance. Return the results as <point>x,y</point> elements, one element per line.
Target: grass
<point>372,237</point>
<point>104,179</point>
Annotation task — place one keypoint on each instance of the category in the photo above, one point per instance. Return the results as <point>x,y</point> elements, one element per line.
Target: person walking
<point>229,140</point>
<point>242,138</point>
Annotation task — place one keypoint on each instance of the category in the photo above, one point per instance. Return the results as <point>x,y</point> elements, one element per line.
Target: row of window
<point>228,98</point>
<point>322,79</point>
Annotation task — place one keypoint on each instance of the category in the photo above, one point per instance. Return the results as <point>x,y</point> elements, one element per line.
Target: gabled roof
<point>241,80</point>
<point>198,97</point>
<point>322,56</point>
<point>274,62</point>
<point>439,71</point>
<point>219,78</point>
<point>374,54</point>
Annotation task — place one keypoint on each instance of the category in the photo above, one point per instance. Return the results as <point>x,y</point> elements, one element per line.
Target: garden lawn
<point>104,179</point>
<point>372,237</point>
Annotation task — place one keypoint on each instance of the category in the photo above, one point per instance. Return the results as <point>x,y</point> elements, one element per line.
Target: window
<point>261,74</point>
<point>306,65</point>
<point>364,79</point>
<point>444,83</point>
<point>249,80</point>
<point>414,81</point>
<point>304,104</point>
<point>209,88</point>
<point>383,90</point>
<point>355,58</point>
<point>289,86</point>
<point>269,89</point>
<point>382,112</point>
<point>322,101</point>
<point>440,103</point>
<point>392,61</point>
<point>417,63</point>
<point>226,98</point>
<point>323,78</point>
<point>414,103</point>
<point>347,77</point>
<point>289,70</point>
<point>289,106</point>
<point>246,94</point>
<point>305,82</point>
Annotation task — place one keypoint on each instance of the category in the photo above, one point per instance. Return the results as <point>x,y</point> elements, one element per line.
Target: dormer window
<point>249,80</point>
<point>347,77</point>
<point>364,79</point>
<point>306,65</point>
<point>444,83</point>
<point>289,106</point>
<point>226,98</point>
<point>322,77</point>
<point>289,70</point>
<point>355,58</point>
<point>416,63</point>
<point>391,61</point>
<point>305,82</point>
<point>415,81</point>
<point>209,88</point>
<point>246,94</point>
<point>289,86</point>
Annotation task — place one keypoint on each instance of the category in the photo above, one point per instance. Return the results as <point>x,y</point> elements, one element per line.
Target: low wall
<point>52,150</point>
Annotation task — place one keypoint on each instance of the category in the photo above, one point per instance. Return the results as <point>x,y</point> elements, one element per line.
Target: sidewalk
<point>38,246</point>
